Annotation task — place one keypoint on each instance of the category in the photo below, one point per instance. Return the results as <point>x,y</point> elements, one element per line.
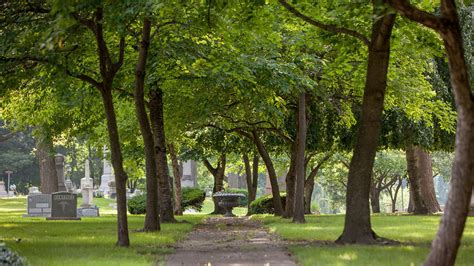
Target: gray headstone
<point>39,205</point>
<point>64,205</point>
<point>59,161</point>
<point>88,212</point>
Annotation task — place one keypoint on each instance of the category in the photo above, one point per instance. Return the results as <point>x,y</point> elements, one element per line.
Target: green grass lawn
<point>416,232</point>
<point>90,241</point>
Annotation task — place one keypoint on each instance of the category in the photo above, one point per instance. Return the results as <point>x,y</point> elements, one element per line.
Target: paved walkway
<point>230,241</point>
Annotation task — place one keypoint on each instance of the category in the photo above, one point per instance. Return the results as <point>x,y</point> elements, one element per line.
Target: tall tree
<point>152,221</point>
<point>157,125</point>
<point>300,160</point>
<point>447,241</point>
<point>357,226</point>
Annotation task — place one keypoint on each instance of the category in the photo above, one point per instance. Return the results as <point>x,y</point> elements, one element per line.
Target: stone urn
<point>228,201</point>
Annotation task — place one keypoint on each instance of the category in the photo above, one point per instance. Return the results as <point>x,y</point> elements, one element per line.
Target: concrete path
<point>230,241</point>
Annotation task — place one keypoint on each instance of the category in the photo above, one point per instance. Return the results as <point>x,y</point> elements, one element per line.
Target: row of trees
<point>248,78</point>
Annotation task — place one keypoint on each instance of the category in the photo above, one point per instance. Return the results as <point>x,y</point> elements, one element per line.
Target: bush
<point>137,204</point>
<point>192,198</point>
<point>243,201</point>
<point>8,257</point>
<point>264,204</point>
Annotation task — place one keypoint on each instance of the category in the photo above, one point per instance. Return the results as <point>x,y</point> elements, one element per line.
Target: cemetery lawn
<point>312,243</point>
<point>90,241</point>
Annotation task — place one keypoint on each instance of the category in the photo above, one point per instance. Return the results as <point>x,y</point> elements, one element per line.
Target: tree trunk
<point>394,195</point>
<point>271,172</point>
<point>310,180</point>
<point>152,219</point>
<point>218,173</point>
<point>256,160</point>
<point>248,178</point>
<point>117,162</point>
<point>290,181</point>
<point>375,199</point>
<point>308,194</point>
<point>413,169</point>
<point>426,181</point>
<point>448,238</point>
<point>164,187</point>
<point>357,226</point>
<point>298,216</point>
<point>47,166</point>
<point>177,173</point>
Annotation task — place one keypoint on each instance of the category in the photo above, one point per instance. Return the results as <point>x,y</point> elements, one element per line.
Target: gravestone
<point>59,161</point>
<point>39,205</point>
<point>87,208</point>
<point>33,191</point>
<point>189,178</point>
<point>106,177</point>
<point>3,192</point>
<point>87,187</point>
<point>63,206</point>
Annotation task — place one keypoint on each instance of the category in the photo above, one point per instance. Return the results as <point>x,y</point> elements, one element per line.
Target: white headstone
<point>3,192</point>
<point>106,177</point>
<point>87,187</point>
<point>189,174</point>
<point>33,191</point>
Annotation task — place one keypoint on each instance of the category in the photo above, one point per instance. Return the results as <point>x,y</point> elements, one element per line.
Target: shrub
<point>264,204</point>
<point>192,198</point>
<point>137,204</point>
<point>8,257</point>
<point>243,201</point>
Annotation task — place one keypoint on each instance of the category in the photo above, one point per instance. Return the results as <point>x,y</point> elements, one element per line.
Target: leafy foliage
<point>192,198</point>
<point>264,204</point>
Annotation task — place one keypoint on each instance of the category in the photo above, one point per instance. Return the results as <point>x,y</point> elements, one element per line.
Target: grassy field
<point>415,232</point>
<point>90,241</point>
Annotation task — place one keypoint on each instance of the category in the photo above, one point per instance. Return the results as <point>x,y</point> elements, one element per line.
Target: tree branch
<point>327,27</point>
<point>415,14</point>
<point>119,63</point>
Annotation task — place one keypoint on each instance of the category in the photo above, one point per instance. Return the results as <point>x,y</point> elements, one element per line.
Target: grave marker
<point>64,206</point>
<point>39,205</point>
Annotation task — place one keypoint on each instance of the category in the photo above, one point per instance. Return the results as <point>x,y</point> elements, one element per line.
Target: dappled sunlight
<point>348,256</point>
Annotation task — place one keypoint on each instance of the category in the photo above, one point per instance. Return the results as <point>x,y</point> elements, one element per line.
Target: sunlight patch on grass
<point>90,241</point>
<point>416,230</point>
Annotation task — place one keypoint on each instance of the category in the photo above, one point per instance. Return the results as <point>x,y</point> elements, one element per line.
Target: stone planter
<point>228,201</point>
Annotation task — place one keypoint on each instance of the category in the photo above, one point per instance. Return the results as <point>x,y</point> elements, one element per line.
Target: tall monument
<point>59,161</point>
<point>189,178</point>
<point>87,186</point>
<point>87,209</point>
<point>107,176</point>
